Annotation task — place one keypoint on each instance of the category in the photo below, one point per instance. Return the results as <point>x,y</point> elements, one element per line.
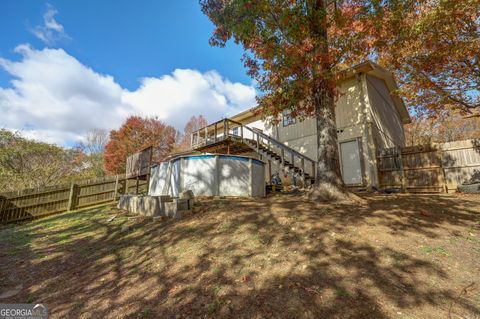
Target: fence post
<point>314,175</point>
<point>72,198</point>
<point>116,189</point>
<point>302,164</point>
<point>444,175</point>
<point>402,171</point>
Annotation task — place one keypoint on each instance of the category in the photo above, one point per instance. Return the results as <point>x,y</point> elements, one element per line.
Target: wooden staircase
<point>231,137</point>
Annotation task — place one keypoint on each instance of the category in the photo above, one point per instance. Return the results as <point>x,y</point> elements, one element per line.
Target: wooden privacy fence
<point>139,164</point>
<point>429,168</point>
<point>30,203</point>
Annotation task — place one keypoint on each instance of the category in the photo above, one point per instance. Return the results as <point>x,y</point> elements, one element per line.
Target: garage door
<point>351,168</point>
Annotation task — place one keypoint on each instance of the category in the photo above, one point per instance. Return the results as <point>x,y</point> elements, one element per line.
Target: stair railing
<point>223,129</point>
<point>260,138</point>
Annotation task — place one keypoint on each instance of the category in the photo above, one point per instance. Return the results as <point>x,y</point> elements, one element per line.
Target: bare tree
<point>93,146</point>
<point>94,141</point>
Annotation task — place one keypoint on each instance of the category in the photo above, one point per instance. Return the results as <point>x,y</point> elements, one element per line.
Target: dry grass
<point>395,256</point>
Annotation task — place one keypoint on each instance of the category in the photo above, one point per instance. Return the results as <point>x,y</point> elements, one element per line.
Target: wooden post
<point>269,171</point>
<point>226,128</point>
<point>136,187</point>
<point>302,165</point>
<point>258,142</point>
<point>148,183</point>
<point>115,192</point>
<point>444,175</point>
<point>215,131</point>
<point>126,186</point>
<point>402,171</point>
<point>313,170</point>
<point>241,132</point>
<point>72,198</point>
<point>206,135</point>
<point>149,169</point>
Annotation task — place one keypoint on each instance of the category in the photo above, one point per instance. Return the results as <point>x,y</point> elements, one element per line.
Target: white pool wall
<point>209,175</point>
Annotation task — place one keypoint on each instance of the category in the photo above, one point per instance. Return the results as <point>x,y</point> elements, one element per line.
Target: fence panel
<point>460,159</point>
<point>389,168</point>
<point>428,168</point>
<point>31,203</point>
<point>19,205</point>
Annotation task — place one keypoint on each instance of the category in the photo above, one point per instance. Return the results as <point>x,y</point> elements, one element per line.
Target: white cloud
<point>51,31</point>
<point>50,136</point>
<point>57,99</point>
<point>176,97</point>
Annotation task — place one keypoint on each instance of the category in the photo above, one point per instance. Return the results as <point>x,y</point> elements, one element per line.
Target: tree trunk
<point>328,180</point>
<point>328,163</point>
<point>329,185</point>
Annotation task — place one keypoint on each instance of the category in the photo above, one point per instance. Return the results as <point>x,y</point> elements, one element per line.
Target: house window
<point>288,119</point>
<point>235,131</point>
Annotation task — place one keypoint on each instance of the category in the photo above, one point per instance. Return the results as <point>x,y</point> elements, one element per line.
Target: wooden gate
<point>428,168</point>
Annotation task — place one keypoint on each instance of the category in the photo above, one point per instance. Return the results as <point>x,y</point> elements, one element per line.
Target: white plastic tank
<point>209,175</point>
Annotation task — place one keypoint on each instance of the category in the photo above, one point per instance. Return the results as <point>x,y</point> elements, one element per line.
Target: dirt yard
<point>399,256</point>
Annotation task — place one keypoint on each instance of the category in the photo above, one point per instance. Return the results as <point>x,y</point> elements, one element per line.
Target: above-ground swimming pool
<point>209,175</point>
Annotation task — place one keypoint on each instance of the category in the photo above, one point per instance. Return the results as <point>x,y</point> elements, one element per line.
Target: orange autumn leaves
<point>138,133</point>
<point>431,45</point>
<point>135,134</point>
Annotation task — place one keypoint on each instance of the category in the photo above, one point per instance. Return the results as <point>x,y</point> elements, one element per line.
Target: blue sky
<point>73,61</point>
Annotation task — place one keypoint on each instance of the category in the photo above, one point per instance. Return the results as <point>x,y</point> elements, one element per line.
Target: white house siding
<point>352,124</point>
<point>365,112</point>
<point>351,117</point>
<point>299,130</point>
<point>261,125</point>
<point>302,136</point>
<point>386,123</point>
<point>349,109</point>
<point>257,123</point>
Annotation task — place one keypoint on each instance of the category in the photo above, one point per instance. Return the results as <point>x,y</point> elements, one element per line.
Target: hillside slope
<point>397,256</point>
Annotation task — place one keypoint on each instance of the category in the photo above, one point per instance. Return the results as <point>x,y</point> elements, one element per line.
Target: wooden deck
<point>231,137</point>
<point>222,145</point>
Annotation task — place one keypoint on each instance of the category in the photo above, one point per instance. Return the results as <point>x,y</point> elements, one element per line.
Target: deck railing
<point>230,129</point>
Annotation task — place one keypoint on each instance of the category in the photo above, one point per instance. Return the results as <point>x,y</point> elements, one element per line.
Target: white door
<point>351,168</point>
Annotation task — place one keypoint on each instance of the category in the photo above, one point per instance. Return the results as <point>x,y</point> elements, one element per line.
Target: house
<point>369,117</point>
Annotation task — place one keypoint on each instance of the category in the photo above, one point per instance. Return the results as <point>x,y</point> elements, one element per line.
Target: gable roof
<point>367,67</point>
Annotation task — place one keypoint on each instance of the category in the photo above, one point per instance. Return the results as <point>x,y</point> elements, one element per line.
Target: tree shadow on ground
<point>280,257</point>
